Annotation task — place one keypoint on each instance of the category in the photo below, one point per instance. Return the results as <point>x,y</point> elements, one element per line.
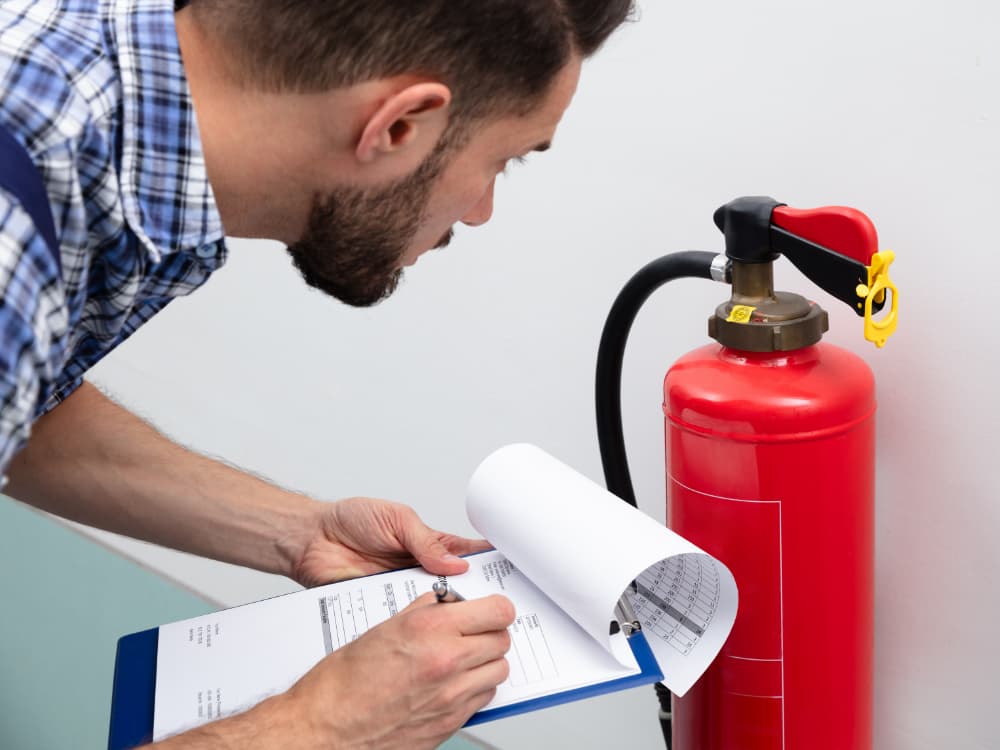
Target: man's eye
<point>517,160</point>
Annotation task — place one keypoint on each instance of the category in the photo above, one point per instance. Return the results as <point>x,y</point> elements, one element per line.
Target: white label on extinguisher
<point>747,536</point>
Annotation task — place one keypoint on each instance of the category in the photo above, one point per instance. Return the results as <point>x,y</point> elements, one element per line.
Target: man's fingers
<point>483,649</point>
<point>488,614</point>
<point>427,547</point>
<point>436,552</point>
<point>477,687</point>
<point>459,545</point>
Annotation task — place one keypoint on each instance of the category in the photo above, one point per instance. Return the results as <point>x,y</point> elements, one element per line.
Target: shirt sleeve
<point>32,313</point>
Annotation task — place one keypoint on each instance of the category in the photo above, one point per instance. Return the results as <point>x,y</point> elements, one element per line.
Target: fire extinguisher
<point>770,468</point>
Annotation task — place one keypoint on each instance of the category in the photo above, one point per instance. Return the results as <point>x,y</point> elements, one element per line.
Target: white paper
<point>584,547</point>
<point>216,665</point>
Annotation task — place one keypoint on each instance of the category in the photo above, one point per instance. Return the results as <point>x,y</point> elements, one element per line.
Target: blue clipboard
<point>647,663</point>
<point>133,695</point>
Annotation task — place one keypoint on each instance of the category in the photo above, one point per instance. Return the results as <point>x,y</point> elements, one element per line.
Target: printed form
<point>212,666</point>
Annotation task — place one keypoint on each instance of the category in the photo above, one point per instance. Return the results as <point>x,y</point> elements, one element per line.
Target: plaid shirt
<point>96,93</point>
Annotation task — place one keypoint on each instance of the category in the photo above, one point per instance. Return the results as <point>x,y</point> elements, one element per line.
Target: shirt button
<point>206,251</point>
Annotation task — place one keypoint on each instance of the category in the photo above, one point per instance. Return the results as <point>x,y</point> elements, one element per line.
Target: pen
<point>446,593</point>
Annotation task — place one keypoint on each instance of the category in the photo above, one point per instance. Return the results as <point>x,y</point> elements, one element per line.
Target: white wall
<point>889,106</point>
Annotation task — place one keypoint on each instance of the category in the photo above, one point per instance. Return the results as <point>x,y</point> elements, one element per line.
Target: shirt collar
<point>166,196</point>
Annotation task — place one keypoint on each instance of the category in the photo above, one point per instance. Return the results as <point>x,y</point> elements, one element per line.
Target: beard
<point>355,239</point>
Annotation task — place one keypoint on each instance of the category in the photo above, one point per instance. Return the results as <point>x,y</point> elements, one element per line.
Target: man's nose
<point>480,213</point>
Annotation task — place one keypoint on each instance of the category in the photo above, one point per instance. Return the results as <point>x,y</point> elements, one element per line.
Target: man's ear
<point>413,116</point>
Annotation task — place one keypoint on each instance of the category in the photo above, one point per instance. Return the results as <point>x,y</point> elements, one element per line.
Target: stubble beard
<point>356,239</point>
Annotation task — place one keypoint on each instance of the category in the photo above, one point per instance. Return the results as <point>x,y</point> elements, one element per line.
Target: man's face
<point>358,241</point>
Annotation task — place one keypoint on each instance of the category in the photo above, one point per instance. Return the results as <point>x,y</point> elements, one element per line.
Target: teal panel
<point>64,602</point>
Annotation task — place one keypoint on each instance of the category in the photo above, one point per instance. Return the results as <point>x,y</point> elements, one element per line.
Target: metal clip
<point>626,616</point>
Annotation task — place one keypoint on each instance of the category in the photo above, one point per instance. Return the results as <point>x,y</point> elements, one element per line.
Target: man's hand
<point>360,536</point>
<point>411,682</point>
<point>408,684</point>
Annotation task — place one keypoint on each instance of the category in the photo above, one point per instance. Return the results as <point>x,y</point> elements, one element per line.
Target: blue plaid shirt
<point>96,93</point>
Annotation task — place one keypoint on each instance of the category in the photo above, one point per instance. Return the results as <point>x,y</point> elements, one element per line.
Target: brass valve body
<point>758,319</point>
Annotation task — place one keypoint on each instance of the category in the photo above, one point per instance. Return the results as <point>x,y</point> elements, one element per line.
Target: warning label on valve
<point>741,314</point>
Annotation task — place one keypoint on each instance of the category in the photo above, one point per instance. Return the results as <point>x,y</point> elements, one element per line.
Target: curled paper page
<point>584,547</point>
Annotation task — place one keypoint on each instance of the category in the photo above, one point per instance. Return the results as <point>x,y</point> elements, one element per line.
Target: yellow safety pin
<point>878,331</point>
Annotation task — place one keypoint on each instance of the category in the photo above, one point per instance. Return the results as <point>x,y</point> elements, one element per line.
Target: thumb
<point>425,545</point>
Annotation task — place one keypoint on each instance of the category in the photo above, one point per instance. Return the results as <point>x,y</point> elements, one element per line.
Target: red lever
<point>844,230</point>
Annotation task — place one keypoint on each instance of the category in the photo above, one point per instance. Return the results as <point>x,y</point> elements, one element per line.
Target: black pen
<point>446,593</point>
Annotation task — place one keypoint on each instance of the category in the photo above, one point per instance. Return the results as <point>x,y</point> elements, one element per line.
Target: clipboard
<point>133,695</point>
<point>133,699</point>
<point>650,673</point>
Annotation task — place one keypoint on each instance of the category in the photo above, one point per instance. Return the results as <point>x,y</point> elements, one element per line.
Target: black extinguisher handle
<point>611,353</point>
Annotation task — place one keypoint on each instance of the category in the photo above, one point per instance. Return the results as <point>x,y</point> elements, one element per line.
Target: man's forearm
<point>92,461</point>
<point>272,724</point>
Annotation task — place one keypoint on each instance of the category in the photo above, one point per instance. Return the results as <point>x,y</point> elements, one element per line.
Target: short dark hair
<point>497,56</point>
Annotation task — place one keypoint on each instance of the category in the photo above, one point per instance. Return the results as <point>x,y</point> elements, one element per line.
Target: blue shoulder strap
<point>20,177</point>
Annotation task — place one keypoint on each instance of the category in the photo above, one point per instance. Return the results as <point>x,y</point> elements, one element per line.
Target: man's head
<point>377,124</point>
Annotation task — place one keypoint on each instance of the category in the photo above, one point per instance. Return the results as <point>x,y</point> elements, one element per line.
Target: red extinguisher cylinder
<point>770,468</point>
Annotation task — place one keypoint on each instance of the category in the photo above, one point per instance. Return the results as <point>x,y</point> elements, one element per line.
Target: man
<point>357,133</point>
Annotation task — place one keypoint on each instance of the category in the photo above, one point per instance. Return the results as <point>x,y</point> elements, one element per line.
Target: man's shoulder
<point>56,77</point>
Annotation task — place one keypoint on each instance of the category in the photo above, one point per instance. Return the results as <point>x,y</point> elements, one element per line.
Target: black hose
<point>608,385</point>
